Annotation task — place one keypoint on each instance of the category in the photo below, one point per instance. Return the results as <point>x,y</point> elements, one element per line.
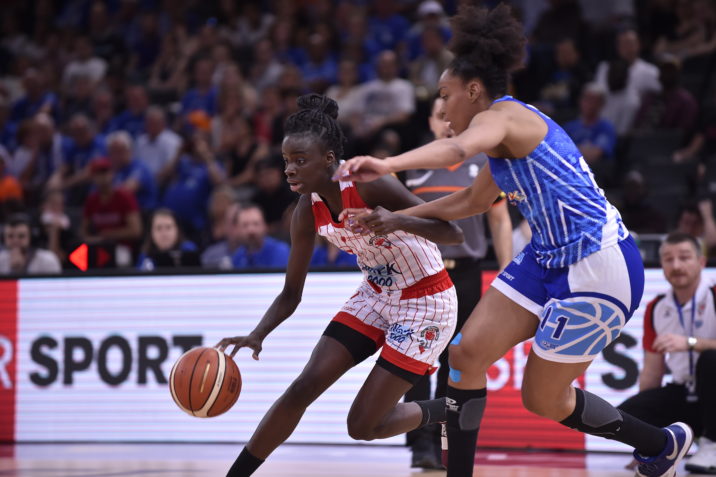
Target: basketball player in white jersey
<point>406,304</point>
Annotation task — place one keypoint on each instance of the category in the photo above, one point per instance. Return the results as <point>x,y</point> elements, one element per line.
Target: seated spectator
<point>273,193</point>
<point>78,99</point>
<point>56,227</point>
<point>258,250</point>
<point>38,157</point>
<point>630,75</point>
<point>38,98</point>
<point>159,145</point>
<point>245,152</point>
<point>102,112</point>
<point>202,96</point>
<point>220,254</point>
<point>430,15</point>
<point>221,199</point>
<point>680,334</point>
<point>622,102</point>
<point>167,77</point>
<point>693,34</point>
<point>132,118</point>
<point>265,67</point>
<point>320,69</point>
<point>10,188</point>
<point>347,92</point>
<point>426,69</point>
<point>325,254</point>
<point>165,246</point>
<point>131,173</point>
<point>567,80</point>
<point>188,180</point>
<point>384,102</point>
<point>595,137</point>
<point>637,213</point>
<point>674,107</point>
<point>82,145</point>
<point>111,214</point>
<point>85,63</point>
<point>19,257</point>
<point>387,28</point>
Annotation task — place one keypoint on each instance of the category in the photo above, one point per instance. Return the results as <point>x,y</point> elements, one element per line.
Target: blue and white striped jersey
<point>555,191</point>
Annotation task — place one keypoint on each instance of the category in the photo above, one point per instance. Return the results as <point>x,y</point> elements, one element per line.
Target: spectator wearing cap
<point>158,145</point>
<point>111,214</point>
<point>129,172</point>
<point>430,16</point>
<point>19,256</point>
<point>132,118</point>
<point>258,250</point>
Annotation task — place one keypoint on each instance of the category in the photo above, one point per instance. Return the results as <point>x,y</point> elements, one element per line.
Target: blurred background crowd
<point>150,130</point>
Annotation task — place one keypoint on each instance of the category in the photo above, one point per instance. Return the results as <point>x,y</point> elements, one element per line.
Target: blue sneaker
<point>679,437</point>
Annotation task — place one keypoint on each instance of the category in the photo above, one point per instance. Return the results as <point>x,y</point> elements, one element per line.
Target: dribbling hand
<point>239,342</point>
<point>361,169</point>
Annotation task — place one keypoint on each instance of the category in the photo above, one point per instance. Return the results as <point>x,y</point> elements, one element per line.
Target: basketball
<point>205,382</point>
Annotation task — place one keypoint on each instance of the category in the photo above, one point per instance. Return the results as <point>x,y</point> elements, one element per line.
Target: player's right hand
<point>362,169</point>
<point>239,342</point>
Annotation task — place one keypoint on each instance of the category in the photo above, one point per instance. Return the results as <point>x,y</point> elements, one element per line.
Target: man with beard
<point>680,332</point>
<point>258,249</point>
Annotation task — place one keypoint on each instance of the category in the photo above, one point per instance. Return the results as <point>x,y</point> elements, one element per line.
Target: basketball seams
<point>191,379</point>
<point>218,382</point>
<point>171,385</point>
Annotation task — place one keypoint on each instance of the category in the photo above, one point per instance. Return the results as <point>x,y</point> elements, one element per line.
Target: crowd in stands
<point>151,130</point>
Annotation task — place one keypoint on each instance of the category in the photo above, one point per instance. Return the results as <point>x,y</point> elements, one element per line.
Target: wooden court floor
<point>209,460</point>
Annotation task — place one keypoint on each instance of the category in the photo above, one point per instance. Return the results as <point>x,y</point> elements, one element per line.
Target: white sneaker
<point>704,460</point>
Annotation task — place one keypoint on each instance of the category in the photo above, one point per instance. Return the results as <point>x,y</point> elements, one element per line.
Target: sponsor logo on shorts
<point>507,276</point>
<point>428,336</point>
<point>518,259</point>
<point>398,334</point>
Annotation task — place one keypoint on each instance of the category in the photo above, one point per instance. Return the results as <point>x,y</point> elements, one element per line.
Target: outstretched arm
<point>387,194</point>
<point>303,238</point>
<point>486,131</point>
<point>473,200</point>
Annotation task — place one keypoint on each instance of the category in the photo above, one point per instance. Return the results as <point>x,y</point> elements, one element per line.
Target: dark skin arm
<point>303,237</point>
<point>381,219</point>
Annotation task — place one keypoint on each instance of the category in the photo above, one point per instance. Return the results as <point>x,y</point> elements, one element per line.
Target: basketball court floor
<point>209,460</point>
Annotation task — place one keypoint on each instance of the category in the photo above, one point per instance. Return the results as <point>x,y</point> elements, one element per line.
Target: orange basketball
<point>205,382</point>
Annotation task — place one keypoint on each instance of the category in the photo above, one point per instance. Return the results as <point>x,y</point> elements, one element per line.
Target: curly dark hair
<point>317,115</point>
<point>488,44</point>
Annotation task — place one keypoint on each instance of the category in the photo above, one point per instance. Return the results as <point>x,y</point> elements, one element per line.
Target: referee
<point>462,262</point>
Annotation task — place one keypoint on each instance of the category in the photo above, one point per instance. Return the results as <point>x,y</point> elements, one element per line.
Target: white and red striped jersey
<point>394,261</point>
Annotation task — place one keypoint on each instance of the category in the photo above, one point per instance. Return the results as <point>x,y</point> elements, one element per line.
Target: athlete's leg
<point>376,413</point>
<point>329,361</point>
<point>495,326</point>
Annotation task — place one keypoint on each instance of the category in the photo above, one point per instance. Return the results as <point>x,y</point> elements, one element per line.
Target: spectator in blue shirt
<point>203,96</point>
<point>387,28</point>
<point>321,70</point>
<point>132,119</point>
<point>129,172</point>
<point>325,254</point>
<point>37,99</point>
<point>595,137</point>
<point>258,249</point>
<point>189,178</point>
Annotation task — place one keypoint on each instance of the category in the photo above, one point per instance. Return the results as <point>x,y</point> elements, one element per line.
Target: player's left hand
<point>378,221</point>
<point>669,342</point>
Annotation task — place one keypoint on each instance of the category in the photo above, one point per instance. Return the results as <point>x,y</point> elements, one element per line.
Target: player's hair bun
<point>318,102</point>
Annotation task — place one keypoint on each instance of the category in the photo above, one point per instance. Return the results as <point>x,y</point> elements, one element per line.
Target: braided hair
<point>317,115</point>
<point>487,44</point>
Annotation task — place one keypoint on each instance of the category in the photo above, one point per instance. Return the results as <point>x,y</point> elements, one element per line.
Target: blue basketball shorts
<point>581,308</point>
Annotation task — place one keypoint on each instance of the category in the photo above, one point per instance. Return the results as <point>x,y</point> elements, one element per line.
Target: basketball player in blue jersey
<point>572,288</point>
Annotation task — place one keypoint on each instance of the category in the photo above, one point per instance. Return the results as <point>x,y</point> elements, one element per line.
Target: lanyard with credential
<point>690,333</point>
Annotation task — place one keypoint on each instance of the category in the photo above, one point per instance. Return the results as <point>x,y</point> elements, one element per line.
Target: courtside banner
<point>92,356</point>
